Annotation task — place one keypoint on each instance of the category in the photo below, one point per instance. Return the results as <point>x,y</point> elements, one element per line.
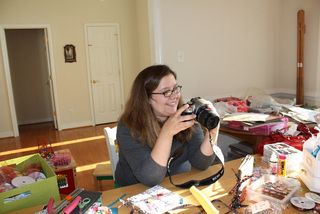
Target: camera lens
<point>205,116</point>
<point>208,119</point>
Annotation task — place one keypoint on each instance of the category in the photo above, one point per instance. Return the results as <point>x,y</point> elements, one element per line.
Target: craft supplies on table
<point>282,171</point>
<point>277,189</point>
<point>310,167</point>
<point>263,207</point>
<point>203,200</point>
<point>293,155</point>
<point>61,158</point>
<point>311,162</point>
<point>65,169</point>
<point>155,200</point>
<point>273,164</point>
<point>35,191</point>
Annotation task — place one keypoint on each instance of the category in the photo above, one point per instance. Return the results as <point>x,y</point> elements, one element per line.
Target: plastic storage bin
<point>310,171</point>
<point>274,188</point>
<point>35,193</point>
<point>311,163</point>
<point>312,182</point>
<point>293,155</point>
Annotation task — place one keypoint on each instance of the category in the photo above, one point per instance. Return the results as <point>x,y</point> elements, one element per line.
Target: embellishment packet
<point>155,200</point>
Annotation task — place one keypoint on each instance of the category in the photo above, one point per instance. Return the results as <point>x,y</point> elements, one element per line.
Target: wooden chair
<point>102,172</point>
<point>106,171</point>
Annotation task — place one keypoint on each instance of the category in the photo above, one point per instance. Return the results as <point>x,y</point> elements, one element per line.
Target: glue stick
<point>282,165</point>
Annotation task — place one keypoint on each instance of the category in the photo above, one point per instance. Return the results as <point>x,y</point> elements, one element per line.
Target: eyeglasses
<point>168,93</point>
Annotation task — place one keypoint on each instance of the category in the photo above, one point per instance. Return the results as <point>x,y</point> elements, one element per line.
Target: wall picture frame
<point>69,53</point>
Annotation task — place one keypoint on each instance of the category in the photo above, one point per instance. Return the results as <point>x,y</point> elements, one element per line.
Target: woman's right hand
<point>174,124</point>
<point>177,122</point>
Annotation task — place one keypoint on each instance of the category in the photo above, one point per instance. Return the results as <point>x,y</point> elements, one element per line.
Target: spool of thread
<point>282,165</point>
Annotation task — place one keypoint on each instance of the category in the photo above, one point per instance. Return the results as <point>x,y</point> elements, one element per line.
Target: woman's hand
<point>177,122</point>
<point>174,124</point>
<point>214,132</point>
<point>206,146</point>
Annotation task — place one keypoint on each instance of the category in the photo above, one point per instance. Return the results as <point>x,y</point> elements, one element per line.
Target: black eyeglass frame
<point>168,93</point>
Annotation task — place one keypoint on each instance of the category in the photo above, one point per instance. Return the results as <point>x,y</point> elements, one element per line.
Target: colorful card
<point>155,200</point>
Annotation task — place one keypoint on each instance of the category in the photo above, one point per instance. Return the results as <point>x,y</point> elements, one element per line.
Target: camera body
<point>204,115</point>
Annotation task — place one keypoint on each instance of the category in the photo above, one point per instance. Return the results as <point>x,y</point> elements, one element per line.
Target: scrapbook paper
<point>155,200</point>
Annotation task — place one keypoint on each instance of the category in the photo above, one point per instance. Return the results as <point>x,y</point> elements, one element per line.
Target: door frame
<point>88,65</point>
<point>7,71</point>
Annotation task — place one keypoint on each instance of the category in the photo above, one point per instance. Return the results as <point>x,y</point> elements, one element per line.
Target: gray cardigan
<point>136,165</point>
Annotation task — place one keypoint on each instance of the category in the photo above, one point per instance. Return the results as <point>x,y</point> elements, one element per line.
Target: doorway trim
<point>7,71</point>
<point>88,65</point>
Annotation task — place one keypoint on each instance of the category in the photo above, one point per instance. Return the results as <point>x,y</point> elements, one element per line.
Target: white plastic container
<point>312,182</point>
<point>310,167</point>
<point>273,164</point>
<point>261,189</point>
<point>293,155</point>
<point>311,163</point>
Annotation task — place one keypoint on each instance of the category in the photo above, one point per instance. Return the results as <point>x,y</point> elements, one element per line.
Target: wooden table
<point>219,190</point>
<point>252,139</point>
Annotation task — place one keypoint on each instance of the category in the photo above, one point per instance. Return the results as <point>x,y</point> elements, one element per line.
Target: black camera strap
<point>206,181</point>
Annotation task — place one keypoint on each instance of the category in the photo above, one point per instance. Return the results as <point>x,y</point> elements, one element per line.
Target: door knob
<point>94,81</point>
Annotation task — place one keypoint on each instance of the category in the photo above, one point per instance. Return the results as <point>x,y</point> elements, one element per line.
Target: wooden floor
<point>86,144</point>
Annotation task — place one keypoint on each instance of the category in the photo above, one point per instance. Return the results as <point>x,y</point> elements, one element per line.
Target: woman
<point>152,128</point>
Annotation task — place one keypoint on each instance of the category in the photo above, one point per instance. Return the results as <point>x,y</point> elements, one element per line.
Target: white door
<point>104,65</point>
<point>54,113</point>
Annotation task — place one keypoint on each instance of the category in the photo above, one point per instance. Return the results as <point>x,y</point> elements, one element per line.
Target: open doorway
<point>29,77</point>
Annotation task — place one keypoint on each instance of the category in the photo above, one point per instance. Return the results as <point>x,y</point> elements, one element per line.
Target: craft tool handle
<point>72,205</point>
<point>64,202</point>
<point>203,200</point>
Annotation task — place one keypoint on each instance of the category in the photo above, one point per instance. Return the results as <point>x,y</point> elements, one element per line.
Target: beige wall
<point>144,50</point>
<point>227,46</point>
<point>231,46</point>
<point>66,20</point>
<point>285,79</point>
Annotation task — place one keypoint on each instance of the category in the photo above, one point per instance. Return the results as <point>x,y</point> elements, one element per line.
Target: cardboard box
<point>33,194</point>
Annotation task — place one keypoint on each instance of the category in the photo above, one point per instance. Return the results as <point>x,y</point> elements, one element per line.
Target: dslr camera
<point>204,115</point>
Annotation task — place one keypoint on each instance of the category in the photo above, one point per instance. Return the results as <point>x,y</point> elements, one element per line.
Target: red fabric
<point>295,141</point>
<point>239,104</point>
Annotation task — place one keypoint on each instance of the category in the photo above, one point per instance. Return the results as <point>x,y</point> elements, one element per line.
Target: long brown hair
<point>138,115</point>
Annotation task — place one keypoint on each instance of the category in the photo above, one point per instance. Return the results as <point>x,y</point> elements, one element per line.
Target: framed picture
<point>69,53</point>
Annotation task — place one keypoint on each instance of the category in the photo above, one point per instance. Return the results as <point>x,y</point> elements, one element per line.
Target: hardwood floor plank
<point>87,145</point>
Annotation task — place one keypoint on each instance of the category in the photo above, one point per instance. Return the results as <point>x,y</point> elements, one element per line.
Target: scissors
<point>83,203</point>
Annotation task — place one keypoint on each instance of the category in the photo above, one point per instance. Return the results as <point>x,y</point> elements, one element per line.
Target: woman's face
<point>162,106</point>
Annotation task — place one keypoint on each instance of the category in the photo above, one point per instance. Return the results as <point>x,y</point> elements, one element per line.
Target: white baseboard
<point>75,125</point>
<point>6,134</point>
